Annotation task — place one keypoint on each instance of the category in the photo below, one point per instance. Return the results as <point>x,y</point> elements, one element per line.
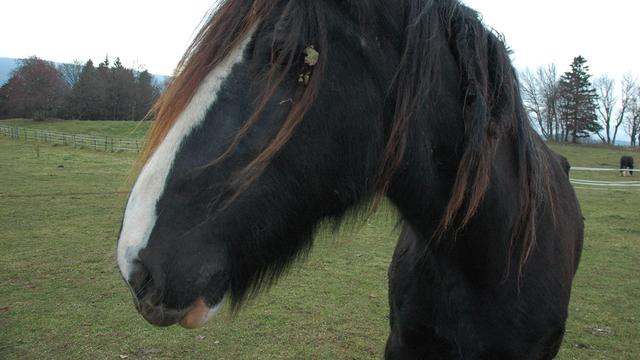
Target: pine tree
<point>146,95</point>
<point>578,102</point>
<point>110,92</point>
<point>103,81</point>
<point>120,92</point>
<point>84,100</point>
<point>4,99</point>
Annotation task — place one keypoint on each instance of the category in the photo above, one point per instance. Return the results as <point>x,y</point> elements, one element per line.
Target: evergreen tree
<point>578,102</point>
<point>4,98</point>
<point>103,80</point>
<point>85,98</point>
<point>121,92</point>
<point>111,93</point>
<point>146,95</point>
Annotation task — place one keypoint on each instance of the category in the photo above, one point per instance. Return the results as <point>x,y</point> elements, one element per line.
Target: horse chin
<point>199,313</point>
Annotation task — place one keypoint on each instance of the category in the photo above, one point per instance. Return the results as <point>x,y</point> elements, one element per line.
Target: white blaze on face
<point>141,214</point>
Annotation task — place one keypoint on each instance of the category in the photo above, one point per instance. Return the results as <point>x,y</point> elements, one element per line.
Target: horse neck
<point>421,193</point>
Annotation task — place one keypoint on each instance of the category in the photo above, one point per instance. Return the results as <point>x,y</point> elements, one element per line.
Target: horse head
<point>274,123</point>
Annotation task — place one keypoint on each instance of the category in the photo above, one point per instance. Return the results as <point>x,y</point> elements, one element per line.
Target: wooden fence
<point>98,143</point>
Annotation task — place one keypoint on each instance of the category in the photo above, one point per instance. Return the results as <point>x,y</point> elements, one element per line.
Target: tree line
<point>564,108</point>
<point>572,108</point>
<point>39,89</point>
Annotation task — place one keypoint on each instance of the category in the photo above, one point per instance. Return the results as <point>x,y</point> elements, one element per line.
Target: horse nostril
<point>154,296</point>
<point>140,276</point>
<point>144,285</point>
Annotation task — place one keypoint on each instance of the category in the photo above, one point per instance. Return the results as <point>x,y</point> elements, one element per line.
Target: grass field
<point>118,129</point>
<point>61,295</point>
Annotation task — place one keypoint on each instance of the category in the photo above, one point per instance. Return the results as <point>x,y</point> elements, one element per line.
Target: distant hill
<point>622,142</point>
<point>7,65</point>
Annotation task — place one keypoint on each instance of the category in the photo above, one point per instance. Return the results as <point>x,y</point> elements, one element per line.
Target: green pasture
<point>61,296</point>
<point>116,129</point>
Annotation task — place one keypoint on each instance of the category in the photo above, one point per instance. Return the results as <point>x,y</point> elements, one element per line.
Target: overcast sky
<point>154,34</point>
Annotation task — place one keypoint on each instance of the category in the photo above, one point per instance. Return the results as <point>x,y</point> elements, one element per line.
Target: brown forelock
<point>304,22</point>
<point>223,31</point>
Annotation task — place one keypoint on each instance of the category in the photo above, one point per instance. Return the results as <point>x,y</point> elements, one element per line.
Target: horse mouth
<point>198,314</point>
<point>193,317</point>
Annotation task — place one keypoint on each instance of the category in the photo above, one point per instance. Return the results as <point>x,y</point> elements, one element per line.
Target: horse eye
<point>281,55</point>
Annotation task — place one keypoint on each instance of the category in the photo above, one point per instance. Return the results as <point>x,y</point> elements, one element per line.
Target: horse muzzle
<point>193,317</point>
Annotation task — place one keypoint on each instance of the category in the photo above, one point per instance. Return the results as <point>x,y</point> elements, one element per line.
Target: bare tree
<point>35,90</point>
<point>533,100</point>
<point>71,72</point>
<point>550,82</point>
<point>540,94</point>
<point>605,87</point>
<point>632,120</point>
<point>630,92</point>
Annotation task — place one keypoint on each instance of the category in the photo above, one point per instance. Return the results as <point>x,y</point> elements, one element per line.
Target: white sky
<point>156,33</point>
<point>141,32</point>
<point>542,32</point>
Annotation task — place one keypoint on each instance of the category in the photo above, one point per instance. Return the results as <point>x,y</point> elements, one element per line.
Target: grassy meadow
<point>62,297</point>
<point>118,129</point>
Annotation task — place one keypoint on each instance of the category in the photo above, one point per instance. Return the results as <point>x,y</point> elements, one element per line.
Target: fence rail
<point>609,184</point>
<point>603,184</point>
<point>578,168</point>
<point>98,143</point>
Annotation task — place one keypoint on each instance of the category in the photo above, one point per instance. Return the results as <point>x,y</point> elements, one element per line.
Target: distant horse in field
<point>286,113</point>
<point>626,165</point>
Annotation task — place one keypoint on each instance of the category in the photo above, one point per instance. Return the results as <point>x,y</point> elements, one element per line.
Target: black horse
<point>626,165</point>
<point>285,113</point>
